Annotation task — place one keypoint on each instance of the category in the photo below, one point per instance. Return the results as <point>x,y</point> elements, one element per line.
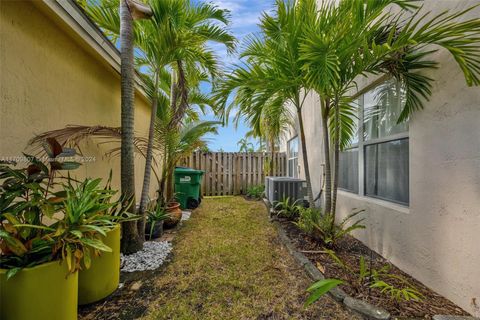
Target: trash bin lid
<point>183,170</point>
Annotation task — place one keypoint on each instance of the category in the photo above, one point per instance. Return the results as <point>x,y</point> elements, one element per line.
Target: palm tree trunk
<point>272,157</point>
<point>181,85</point>
<point>148,162</point>
<point>326,151</point>
<point>170,184</point>
<point>336,155</point>
<point>131,241</point>
<point>303,142</point>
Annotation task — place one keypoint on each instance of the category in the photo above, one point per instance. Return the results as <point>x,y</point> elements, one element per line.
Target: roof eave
<point>72,15</point>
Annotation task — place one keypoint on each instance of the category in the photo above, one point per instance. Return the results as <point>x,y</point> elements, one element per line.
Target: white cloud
<point>232,5</point>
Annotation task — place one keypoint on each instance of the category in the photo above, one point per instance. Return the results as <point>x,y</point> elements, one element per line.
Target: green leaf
<point>95,243</point>
<point>69,257</point>
<point>69,165</point>
<point>319,288</point>
<point>87,260</point>
<point>77,233</point>
<point>15,245</point>
<point>12,272</point>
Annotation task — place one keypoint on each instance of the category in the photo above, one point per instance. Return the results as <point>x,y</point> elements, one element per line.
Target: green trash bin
<point>187,187</point>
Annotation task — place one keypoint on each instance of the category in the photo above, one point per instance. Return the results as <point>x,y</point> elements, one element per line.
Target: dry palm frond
<point>74,135</point>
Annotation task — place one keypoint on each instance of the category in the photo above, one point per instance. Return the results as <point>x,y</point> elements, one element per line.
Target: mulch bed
<point>349,250</point>
<point>129,302</point>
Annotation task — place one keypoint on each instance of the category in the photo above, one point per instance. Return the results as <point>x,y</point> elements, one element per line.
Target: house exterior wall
<point>50,78</point>
<point>436,238</point>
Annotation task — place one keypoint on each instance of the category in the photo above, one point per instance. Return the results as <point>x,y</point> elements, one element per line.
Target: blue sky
<point>245,16</point>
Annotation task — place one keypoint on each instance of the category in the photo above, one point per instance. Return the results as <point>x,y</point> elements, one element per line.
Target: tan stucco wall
<point>437,238</point>
<point>49,79</point>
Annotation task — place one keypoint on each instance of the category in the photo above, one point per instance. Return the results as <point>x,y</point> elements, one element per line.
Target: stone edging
<point>360,307</point>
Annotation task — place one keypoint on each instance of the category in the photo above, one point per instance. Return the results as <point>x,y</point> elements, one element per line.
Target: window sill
<point>378,202</point>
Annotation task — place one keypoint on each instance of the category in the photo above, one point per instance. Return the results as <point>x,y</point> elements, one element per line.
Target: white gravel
<point>152,256</point>
<point>186,215</point>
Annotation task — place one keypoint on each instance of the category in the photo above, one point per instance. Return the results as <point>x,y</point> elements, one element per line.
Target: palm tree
<point>353,39</point>
<point>177,37</point>
<point>269,120</point>
<point>178,144</point>
<point>129,10</point>
<point>245,145</point>
<point>272,72</point>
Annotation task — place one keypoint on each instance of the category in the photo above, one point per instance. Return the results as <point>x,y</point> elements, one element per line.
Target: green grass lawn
<point>228,264</point>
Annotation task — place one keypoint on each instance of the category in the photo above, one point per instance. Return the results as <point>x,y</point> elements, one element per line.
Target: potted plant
<point>40,245</point>
<point>174,214</point>
<point>90,204</point>
<point>155,221</point>
<point>44,238</point>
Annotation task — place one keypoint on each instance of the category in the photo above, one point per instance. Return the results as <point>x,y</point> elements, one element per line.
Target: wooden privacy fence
<point>231,173</point>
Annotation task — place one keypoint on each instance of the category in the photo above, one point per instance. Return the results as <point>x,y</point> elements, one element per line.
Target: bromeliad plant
<point>155,216</point>
<point>88,214</point>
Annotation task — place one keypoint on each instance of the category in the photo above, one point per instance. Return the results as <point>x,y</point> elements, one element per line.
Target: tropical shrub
<point>26,202</point>
<point>323,227</point>
<point>88,213</point>
<point>288,209</point>
<point>255,192</point>
<point>39,225</point>
<point>155,216</point>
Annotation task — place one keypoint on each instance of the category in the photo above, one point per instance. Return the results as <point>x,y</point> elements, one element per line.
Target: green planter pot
<point>43,292</point>
<point>103,277</point>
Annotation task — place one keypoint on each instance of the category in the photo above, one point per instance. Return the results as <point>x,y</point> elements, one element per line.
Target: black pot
<point>157,230</point>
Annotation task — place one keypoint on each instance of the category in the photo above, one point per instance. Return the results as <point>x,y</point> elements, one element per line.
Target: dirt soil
<point>349,250</point>
<point>227,263</point>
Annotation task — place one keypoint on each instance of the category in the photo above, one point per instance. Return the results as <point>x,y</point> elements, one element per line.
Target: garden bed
<point>349,250</point>
<point>137,289</point>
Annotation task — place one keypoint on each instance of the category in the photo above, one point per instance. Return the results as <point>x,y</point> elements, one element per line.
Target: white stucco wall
<point>437,238</point>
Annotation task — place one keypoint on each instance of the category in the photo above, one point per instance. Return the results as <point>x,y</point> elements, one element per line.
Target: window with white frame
<point>377,162</point>
<point>292,147</point>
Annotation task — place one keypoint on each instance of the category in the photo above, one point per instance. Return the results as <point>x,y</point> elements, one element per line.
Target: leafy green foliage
<point>320,288</point>
<point>158,214</point>
<point>323,226</point>
<point>399,294</point>
<point>89,212</point>
<point>38,225</point>
<point>269,85</point>
<point>245,145</point>
<point>26,202</point>
<point>308,219</point>
<point>380,279</point>
<point>255,192</point>
<point>288,209</point>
